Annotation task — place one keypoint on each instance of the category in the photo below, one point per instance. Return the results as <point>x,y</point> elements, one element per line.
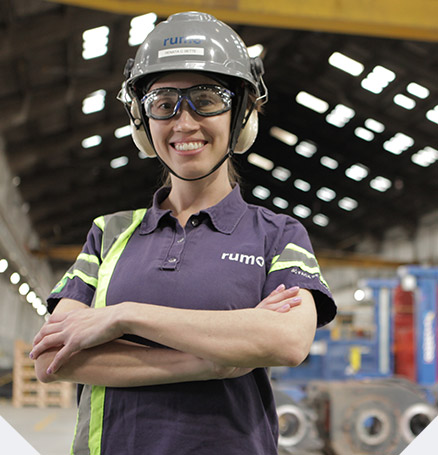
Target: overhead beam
<point>385,18</point>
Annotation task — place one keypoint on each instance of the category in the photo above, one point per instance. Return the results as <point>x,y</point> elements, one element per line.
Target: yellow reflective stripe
<point>100,222</point>
<point>299,249</point>
<point>289,264</point>
<point>89,258</point>
<point>92,281</point>
<point>96,420</point>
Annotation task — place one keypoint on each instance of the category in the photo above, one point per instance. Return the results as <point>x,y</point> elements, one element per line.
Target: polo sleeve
<point>80,280</point>
<point>294,264</point>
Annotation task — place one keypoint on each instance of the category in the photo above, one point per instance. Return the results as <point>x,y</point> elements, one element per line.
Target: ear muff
<point>248,134</point>
<point>138,132</point>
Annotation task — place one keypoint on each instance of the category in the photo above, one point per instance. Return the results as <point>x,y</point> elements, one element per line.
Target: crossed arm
<point>80,344</point>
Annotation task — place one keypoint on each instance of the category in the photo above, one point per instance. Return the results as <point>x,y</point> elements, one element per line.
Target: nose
<point>185,118</point>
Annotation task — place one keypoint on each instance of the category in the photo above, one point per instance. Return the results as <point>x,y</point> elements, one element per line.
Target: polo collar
<point>224,216</point>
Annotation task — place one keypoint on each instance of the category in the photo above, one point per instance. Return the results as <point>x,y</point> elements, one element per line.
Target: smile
<point>188,146</point>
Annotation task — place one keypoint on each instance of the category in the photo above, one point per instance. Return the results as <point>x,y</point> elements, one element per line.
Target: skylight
<point>306,149</point>
<point>380,183</point>
<point>404,101</point>
<point>280,203</point>
<point>398,143</point>
<point>357,172</point>
<point>326,194</point>
<point>432,115</point>
<point>302,185</point>
<point>91,141</point>
<point>119,162</point>
<point>283,135</point>
<point>378,79</point>
<point>123,131</point>
<point>374,125</point>
<point>261,192</point>
<point>425,157</point>
<point>348,204</point>
<point>320,220</point>
<point>340,115</point>
<point>256,50</point>
<point>260,161</point>
<point>281,173</point>
<point>302,211</point>
<point>95,42</point>
<point>141,26</point>
<point>418,90</point>
<point>312,102</point>
<point>94,102</point>
<point>329,162</point>
<point>346,64</point>
<point>364,134</point>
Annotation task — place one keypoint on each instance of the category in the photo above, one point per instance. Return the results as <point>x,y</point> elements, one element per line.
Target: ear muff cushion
<point>138,133</point>
<point>248,134</point>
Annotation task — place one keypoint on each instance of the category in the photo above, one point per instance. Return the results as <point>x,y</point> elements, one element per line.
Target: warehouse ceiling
<point>349,155</point>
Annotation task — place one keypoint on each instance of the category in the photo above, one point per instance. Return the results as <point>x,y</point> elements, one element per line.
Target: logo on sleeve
<point>244,259</point>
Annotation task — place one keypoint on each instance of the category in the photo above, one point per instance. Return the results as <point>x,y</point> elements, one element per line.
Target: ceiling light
<point>261,192</point>
<point>348,204</point>
<point>123,131</point>
<point>357,172</point>
<point>425,157</point>
<point>302,185</point>
<point>31,297</point>
<point>3,265</point>
<point>94,102</point>
<point>404,101</point>
<point>432,115</point>
<point>15,278</point>
<point>121,161</point>
<point>312,102</point>
<point>340,115</point>
<point>374,125</point>
<point>281,173</point>
<point>302,211</point>
<point>378,79</point>
<point>280,203</point>
<point>24,288</point>
<point>320,220</point>
<point>255,51</point>
<point>398,143</point>
<point>364,134</point>
<point>91,141</point>
<point>346,64</point>
<point>380,183</point>
<point>418,90</point>
<point>359,295</point>
<point>95,42</point>
<point>141,26</point>
<point>260,161</point>
<point>283,135</point>
<point>306,149</point>
<point>326,194</point>
<point>36,302</point>
<point>41,310</point>
<point>329,162</point>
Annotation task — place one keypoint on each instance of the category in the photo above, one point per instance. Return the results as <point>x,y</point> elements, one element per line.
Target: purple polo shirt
<point>221,260</point>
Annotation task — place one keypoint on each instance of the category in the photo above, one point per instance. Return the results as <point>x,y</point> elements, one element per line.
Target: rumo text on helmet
<point>171,41</point>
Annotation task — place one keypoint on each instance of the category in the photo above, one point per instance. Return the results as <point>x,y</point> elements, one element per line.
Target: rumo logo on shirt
<point>244,258</point>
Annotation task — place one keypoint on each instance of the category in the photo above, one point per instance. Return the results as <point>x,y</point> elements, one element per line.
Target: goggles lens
<point>206,100</point>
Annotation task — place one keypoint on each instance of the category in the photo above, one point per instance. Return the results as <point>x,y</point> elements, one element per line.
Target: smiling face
<point>190,144</point>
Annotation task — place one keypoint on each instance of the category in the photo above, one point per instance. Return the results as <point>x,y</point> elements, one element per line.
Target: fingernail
<point>49,371</point>
<point>285,307</point>
<point>31,355</point>
<point>296,300</point>
<point>281,287</point>
<point>294,288</point>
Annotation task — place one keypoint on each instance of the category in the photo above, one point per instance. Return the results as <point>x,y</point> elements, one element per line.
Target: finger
<point>47,329</point>
<point>60,358</point>
<point>281,295</point>
<point>50,341</point>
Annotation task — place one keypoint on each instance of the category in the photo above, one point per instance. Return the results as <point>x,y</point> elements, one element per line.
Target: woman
<point>192,299</point>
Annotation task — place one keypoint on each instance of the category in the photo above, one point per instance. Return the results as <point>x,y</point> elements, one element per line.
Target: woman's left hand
<point>74,331</point>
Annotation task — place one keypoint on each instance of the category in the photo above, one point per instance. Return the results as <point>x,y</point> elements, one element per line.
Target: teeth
<point>188,145</point>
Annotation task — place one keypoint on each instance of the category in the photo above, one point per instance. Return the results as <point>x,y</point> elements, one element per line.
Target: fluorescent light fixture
<point>374,125</point>
<point>398,143</point>
<point>346,64</point>
<point>15,278</point>
<point>432,115</point>
<point>326,194</point>
<point>3,265</point>
<point>306,149</point>
<point>378,79</point>
<point>95,42</point>
<point>120,161</point>
<point>312,102</point>
<point>123,131</point>
<point>36,303</point>
<point>321,220</point>
<point>261,192</point>
<point>260,161</point>
<point>280,203</point>
<point>425,157</point>
<point>348,204</point>
<point>404,101</point>
<point>41,310</point>
<point>380,183</point>
<point>364,134</point>
<point>31,296</point>
<point>329,162</point>
<point>283,135</point>
<point>141,26</point>
<point>24,288</point>
<point>94,102</point>
<point>281,173</point>
<point>255,51</point>
<point>92,141</point>
<point>302,211</point>
<point>302,185</point>
<point>340,115</point>
<point>418,90</point>
<point>357,172</point>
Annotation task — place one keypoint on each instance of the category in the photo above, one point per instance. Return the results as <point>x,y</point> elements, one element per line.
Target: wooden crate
<point>28,391</point>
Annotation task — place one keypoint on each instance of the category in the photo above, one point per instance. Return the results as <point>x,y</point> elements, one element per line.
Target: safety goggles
<point>206,100</point>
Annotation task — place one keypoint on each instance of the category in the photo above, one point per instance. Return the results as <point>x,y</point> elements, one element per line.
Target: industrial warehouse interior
<point>347,144</point>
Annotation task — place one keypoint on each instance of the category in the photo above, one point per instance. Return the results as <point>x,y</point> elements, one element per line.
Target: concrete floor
<point>48,430</point>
